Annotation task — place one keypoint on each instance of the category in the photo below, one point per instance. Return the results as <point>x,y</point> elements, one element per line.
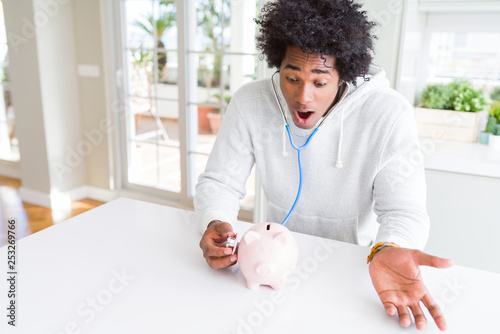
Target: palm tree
<point>156,27</point>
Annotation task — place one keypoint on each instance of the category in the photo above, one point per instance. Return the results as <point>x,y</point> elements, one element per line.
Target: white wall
<point>96,121</point>
<point>389,16</point>
<point>42,58</point>
<point>26,94</point>
<point>58,84</point>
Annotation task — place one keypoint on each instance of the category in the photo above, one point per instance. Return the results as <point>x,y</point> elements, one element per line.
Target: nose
<point>304,94</point>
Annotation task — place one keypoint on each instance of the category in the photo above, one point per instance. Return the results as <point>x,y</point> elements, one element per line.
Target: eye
<point>291,79</point>
<point>320,84</point>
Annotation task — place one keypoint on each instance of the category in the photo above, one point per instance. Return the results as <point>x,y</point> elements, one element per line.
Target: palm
<point>396,277</point>
<point>398,281</point>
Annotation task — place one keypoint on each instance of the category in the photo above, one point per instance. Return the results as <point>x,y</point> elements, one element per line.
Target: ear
<point>251,236</point>
<point>281,237</point>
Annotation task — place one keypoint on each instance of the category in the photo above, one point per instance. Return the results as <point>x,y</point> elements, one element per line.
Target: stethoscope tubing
<point>299,149</point>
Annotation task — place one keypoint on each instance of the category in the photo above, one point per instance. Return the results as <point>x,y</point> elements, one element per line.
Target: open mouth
<point>303,115</point>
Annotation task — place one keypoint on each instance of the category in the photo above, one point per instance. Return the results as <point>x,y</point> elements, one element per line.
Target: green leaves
<point>495,94</point>
<point>491,125</point>
<point>463,97</point>
<point>496,131</point>
<point>435,96</point>
<point>495,110</point>
<point>459,95</point>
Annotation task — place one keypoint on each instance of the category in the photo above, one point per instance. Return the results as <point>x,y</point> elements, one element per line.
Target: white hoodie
<point>364,186</point>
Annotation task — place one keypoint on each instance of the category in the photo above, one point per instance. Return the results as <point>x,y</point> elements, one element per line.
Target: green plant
<point>213,17</point>
<point>495,94</point>
<point>140,58</point>
<point>492,123</point>
<point>217,98</point>
<point>227,97</point>
<point>435,96</point>
<point>495,110</point>
<point>496,131</point>
<point>463,97</point>
<point>156,27</point>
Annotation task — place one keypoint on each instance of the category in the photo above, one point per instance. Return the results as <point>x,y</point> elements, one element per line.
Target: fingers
<point>420,320</point>
<point>213,245</point>
<point>424,259</point>
<point>215,252</point>
<point>404,316</point>
<point>219,257</point>
<point>434,311</point>
<point>419,316</point>
<point>390,309</point>
<point>222,262</point>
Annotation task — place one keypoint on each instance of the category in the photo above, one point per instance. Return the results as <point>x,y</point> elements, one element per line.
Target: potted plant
<point>212,16</point>
<point>451,111</point>
<point>495,138</point>
<point>493,121</point>
<point>495,94</point>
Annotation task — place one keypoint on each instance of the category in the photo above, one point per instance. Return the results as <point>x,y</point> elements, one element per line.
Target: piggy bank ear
<point>251,236</point>
<point>282,237</point>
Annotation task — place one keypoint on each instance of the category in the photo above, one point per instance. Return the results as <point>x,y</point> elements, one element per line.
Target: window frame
<point>186,130</point>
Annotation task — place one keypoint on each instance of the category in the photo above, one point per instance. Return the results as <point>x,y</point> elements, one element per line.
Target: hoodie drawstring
<point>284,152</point>
<point>339,164</point>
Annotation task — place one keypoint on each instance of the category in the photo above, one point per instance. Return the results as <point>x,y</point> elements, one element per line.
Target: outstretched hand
<point>213,245</point>
<point>395,274</point>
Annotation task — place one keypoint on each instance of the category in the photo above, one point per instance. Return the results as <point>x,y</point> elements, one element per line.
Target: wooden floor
<point>39,217</point>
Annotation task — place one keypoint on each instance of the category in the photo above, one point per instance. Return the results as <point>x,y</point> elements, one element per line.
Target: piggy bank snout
<point>264,269</point>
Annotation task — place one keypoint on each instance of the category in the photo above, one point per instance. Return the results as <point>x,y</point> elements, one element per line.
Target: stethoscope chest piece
<point>232,242</point>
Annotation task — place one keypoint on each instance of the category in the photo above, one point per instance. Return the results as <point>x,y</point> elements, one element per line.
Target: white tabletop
<point>135,267</point>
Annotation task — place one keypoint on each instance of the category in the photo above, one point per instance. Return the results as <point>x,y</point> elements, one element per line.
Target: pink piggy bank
<point>267,254</point>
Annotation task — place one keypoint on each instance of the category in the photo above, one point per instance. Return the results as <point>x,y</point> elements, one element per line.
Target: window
<point>461,46</point>
<point>9,149</point>
<point>183,60</point>
<point>443,45</point>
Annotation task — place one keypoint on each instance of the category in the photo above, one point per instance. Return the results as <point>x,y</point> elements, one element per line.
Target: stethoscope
<point>232,242</point>
<point>300,148</point>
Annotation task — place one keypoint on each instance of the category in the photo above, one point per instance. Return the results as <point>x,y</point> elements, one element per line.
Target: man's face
<point>309,85</point>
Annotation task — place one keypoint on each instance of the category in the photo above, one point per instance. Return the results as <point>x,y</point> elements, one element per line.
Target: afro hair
<point>335,28</point>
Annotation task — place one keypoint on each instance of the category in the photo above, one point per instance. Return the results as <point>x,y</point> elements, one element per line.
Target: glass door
<point>182,61</point>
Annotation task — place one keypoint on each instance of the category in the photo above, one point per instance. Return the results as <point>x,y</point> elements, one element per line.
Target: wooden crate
<point>449,124</point>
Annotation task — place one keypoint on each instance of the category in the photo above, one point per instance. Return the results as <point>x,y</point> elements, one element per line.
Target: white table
<point>68,283</point>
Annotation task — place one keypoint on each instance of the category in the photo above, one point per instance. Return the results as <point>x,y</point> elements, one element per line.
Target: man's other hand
<point>396,277</point>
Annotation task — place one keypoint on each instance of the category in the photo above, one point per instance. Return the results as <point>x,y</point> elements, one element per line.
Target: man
<point>359,184</point>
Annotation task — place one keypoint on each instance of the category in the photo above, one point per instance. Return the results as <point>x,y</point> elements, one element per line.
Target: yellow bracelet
<point>378,247</point>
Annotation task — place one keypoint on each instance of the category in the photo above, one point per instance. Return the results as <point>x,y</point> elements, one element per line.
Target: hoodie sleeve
<point>399,188</point>
<point>222,185</point>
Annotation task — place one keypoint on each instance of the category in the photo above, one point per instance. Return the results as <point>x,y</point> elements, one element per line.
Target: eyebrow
<point>316,70</point>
